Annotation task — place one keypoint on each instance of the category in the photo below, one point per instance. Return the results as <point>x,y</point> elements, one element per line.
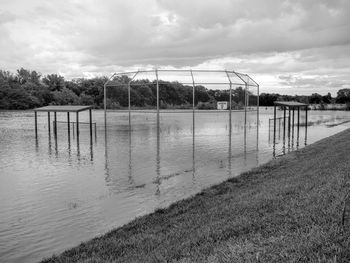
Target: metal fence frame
<point>247,81</point>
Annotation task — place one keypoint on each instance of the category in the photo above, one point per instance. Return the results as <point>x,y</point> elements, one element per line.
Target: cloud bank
<point>287,46</point>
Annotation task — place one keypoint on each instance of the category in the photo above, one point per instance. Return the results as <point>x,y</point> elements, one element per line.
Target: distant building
<point>222,105</point>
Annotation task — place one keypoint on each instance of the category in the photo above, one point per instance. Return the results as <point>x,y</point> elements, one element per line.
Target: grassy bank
<point>289,210</point>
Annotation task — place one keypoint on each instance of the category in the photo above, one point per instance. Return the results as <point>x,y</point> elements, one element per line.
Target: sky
<point>289,47</point>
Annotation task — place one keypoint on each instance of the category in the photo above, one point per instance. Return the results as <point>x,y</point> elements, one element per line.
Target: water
<point>56,193</point>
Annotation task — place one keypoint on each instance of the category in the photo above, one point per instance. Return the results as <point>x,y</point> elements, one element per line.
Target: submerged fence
<point>153,82</point>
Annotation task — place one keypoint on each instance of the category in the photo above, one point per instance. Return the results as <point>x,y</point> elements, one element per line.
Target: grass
<point>293,209</point>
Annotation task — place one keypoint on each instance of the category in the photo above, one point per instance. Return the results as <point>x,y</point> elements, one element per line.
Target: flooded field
<point>58,192</point>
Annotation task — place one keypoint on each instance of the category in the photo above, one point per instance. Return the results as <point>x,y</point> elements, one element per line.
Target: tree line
<point>28,89</point>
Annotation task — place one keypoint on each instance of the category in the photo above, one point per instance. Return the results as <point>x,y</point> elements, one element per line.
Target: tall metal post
<point>157,93</point>
<point>306,121</point>
<point>193,101</point>
<point>279,128</point>
<point>49,122</point>
<point>55,123</point>
<point>229,79</point>
<point>193,92</point>
<point>105,103</point>
<point>77,122</point>
<point>245,105</point>
<point>90,118</point>
<point>68,124</point>
<point>158,157</point>
<point>284,121</point>
<point>293,121</point>
<point>306,116</point>
<point>36,123</point>
<point>289,112</point>
<point>129,102</point>
<point>274,124</point>
<point>258,105</point>
<point>298,126</point>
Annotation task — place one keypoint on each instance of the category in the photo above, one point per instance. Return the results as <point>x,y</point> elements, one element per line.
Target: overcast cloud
<point>290,47</point>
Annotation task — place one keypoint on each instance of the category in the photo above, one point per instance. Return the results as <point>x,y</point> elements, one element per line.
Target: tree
<point>315,98</point>
<point>54,82</point>
<point>25,75</point>
<point>238,95</point>
<point>64,97</point>
<point>85,99</point>
<point>343,96</point>
<point>327,98</point>
<point>201,94</point>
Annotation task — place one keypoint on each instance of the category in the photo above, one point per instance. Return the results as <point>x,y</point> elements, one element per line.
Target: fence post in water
<point>245,105</point>
<point>274,124</point>
<point>68,123</point>
<point>306,109</point>
<point>129,101</point>
<point>284,121</point>
<point>229,79</point>
<point>288,122</point>
<point>77,122</point>
<point>55,124</point>
<point>258,103</point>
<point>279,128</point>
<point>36,123</point>
<point>48,122</point>
<point>90,118</point>
<point>193,98</point>
<point>73,129</point>
<point>298,118</point>
<point>293,121</point>
<point>306,116</point>
<point>298,126</point>
<point>104,104</point>
<point>157,82</point>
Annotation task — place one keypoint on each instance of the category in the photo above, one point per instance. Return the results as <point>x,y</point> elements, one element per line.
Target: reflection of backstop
<point>241,91</point>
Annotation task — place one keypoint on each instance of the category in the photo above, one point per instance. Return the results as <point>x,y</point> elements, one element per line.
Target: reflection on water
<point>59,190</point>
<point>277,129</point>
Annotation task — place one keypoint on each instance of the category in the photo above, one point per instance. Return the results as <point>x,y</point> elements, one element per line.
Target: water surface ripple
<point>56,193</point>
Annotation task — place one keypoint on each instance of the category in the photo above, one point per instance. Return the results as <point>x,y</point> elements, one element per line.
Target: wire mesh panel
<point>164,89</point>
<point>235,78</point>
<point>204,77</point>
<point>181,76</point>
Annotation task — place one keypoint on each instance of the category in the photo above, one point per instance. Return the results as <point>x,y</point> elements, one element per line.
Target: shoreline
<point>290,209</point>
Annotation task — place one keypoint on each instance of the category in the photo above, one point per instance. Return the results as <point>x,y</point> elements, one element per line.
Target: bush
<point>210,105</point>
<point>347,106</point>
<point>64,97</point>
<point>85,99</point>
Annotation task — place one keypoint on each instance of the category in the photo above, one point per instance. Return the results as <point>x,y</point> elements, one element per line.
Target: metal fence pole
<point>289,122</point>
<point>293,121</point>
<point>306,123</point>
<point>274,124</point>
<point>36,123</point>
<point>258,105</point>
<point>48,121</point>
<point>193,100</point>
<point>55,123</point>
<point>157,93</point>
<point>245,105</point>
<point>284,122</point>
<point>105,103</point>
<point>90,118</point>
<point>77,122</point>
<point>230,101</point>
<point>68,123</point>
<point>129,101</point>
